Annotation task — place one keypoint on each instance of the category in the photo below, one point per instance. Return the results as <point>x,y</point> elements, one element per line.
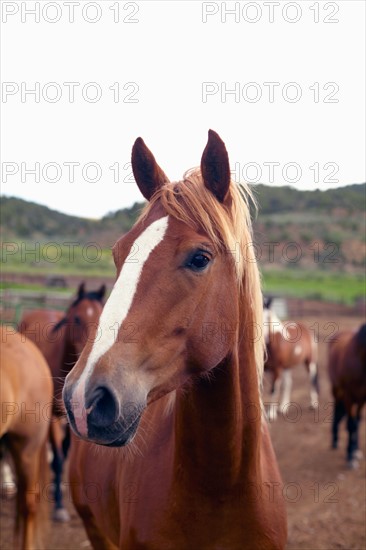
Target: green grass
<point>337,287</point>
<point>57,259</point>
<point>5,285</point>
<point>40,260</point>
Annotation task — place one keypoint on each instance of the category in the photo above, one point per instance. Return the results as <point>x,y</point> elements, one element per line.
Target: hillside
<point>327,227</point>
<point>20,219</point>
<point>273,200</point>
<point>23,219</point>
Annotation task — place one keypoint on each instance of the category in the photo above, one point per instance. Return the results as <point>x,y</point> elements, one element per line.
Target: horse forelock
<point>229,227</point>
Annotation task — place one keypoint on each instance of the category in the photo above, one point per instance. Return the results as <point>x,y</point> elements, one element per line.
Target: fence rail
<point>14,303</point>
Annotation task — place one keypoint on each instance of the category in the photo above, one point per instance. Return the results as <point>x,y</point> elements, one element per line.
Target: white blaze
<point>117,307</point>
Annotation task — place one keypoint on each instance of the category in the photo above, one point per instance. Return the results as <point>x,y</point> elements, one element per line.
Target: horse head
<point>173,313</point>
<point>81,318</point>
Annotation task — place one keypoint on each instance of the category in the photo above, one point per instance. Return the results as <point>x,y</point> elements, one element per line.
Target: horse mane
<point>229,227</point>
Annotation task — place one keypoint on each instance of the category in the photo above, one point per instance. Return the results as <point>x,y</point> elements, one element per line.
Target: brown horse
<point>288,345</point>
<point>347,372</point>
<point>26,406</point>
<point>178,363</point>
<point>61,338</point>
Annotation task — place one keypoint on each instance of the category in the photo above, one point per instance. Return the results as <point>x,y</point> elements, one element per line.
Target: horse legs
<point>57,443</point>
<point>353,420</point>
<point>338,414</point>
<point>27,467</point>
<point>66,440</point>
<point>8,485</point>
<point>285,390</point>
<point>314,384</point>
<point>275,392</point>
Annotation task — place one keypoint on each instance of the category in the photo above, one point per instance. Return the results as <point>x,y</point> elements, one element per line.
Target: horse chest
<point>210,533</point>
<point>203,523</point>
<point>152,516</point>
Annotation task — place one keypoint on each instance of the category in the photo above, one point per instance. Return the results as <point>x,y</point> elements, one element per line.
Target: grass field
<point>32,287</point>
<point>58,259</point>
<point>337,287</point>
<point>91,260</point>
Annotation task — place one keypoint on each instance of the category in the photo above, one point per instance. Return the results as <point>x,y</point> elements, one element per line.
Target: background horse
<point>288,345</point>
<point>179,365</point>
<point>61,338</point>
<point>26,402</point>
<point>347,372</point>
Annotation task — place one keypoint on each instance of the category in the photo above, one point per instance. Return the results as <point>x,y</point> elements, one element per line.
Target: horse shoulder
<point>353,372</point>
<point>336,355</point>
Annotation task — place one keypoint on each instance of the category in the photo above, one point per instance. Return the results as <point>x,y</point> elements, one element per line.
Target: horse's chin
<point>121,440</point>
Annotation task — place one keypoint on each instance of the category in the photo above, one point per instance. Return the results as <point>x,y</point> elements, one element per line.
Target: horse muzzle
<point>102,419</point>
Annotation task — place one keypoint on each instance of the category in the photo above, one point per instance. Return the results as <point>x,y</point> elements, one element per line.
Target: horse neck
<point>218,425</point>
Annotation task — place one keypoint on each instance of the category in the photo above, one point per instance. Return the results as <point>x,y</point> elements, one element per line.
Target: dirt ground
<point>326,501</point>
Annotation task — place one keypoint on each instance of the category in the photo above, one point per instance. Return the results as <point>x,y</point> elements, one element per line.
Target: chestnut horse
<point>61,338</point>
<point>26,405</point>
<point>347,372</point>
<point>288,345</point>
<point>178,364</point>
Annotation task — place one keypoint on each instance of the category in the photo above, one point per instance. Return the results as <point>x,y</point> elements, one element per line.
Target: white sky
<point>169,53</point>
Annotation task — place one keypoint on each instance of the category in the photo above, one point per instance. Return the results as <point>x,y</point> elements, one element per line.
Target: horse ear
<point>215,167</point>
<point>101,292</point>
<point>148,174</point>
<point>268,302</point>
<point>81,290</point>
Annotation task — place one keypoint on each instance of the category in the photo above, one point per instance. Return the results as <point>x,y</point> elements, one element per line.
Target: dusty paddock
<point>325,500</point>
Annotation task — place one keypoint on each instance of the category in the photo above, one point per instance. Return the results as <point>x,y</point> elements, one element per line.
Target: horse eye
<point>198,262</point>
<point>77,320</point>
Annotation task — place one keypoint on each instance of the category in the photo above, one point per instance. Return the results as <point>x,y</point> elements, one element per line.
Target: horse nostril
<point>102,407</point>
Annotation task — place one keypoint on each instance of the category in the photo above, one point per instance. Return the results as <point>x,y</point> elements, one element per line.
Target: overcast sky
<point>283,83</point>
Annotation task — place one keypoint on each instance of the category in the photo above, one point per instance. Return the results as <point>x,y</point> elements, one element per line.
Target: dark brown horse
<point>26,406</point>
<point>288,345</point>
<point>178,367</point>
<point>61,338</point>
<point>347,372</point>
